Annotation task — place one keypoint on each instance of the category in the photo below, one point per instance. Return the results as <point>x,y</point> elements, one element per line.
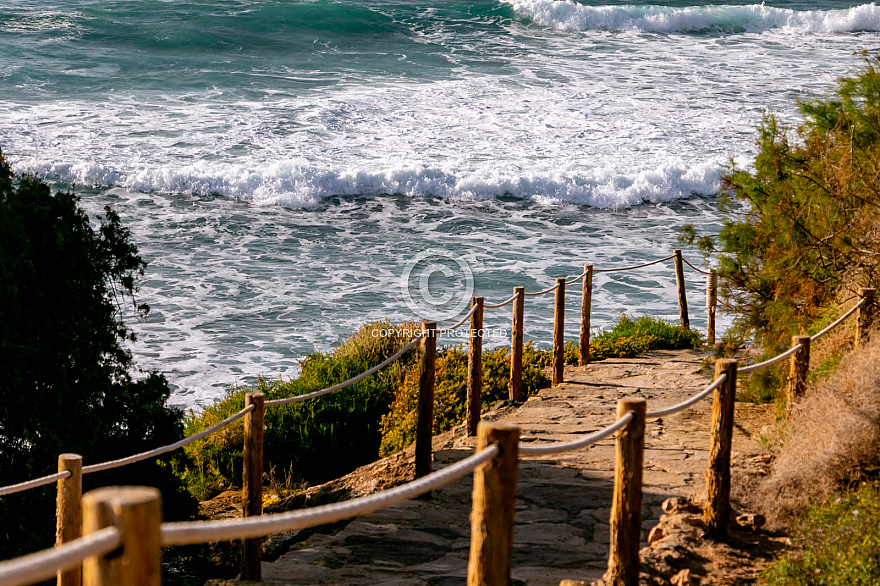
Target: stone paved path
<point>563,501</point>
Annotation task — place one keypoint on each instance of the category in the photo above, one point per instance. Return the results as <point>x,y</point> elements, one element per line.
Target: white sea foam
<point>293,184</point>
<point>567,15</point>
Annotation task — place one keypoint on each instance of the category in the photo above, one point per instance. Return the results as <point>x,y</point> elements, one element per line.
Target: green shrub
<point>68,285</point>
<point>320,438</point>
<point>808,227</point>
<point>839,541</point>
<point>630,337</point>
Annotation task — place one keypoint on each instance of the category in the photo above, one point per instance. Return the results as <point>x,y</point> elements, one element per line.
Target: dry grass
<point>831,437</point>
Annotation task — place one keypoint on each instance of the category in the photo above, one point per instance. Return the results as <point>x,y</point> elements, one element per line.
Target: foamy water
<point>282,162</point>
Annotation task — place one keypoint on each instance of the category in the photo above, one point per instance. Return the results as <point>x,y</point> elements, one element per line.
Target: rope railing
<point>45,564</point>
<point>647,264</point>
<point>559,447</point>
<point>169,448</point>
<point>839,320</point>
<point>771,362</point>
<point>688,402</point>
<point>577,278</point>
<point>695,268</point>
<point>502,304</point>
<point>459,324</point>
<point>351,381</point>
<point>35,483</point>
<point>539,293</point>
<point>204,531</point>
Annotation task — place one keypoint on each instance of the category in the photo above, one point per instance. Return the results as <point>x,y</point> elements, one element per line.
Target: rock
<point>683,578</point>
<point>656,534</point>
<point>679,504</point>
<point>751,521</point>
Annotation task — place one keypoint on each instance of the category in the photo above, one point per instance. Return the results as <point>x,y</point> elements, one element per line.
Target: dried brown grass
<point>831,437</point>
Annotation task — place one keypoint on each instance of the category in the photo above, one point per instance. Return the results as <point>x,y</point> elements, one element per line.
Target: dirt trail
<point>563,501</point>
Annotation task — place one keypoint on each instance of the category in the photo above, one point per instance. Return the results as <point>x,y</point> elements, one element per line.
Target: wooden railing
<point>83,538</point>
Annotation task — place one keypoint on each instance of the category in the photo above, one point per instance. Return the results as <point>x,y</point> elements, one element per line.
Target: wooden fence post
<point>711,304</point>
<point>137,512</point>
<point>716,511</point>
<point>682,295</point>
<point>68,512</point>
<point>586,302</point>
<point>425,421</point>
<point>494,502</point>
<point>475,367</point>
<point>800,364</point>
<point>865,316</point>
<point>252,485</point>
<point>516,345</point>
<point>558,332</point>
<point>626,506</point>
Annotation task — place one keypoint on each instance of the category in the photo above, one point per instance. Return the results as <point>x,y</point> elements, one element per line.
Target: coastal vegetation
<point>70,384</point>
<point>802,235</point>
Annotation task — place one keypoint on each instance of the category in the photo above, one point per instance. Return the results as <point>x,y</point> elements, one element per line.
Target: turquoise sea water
<point>281,163</point>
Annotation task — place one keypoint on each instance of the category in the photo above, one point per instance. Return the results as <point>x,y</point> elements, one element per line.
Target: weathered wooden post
<point>475,367</point>
<point>494,502</point>
<point>716,510</point>
<point>559,332</point>
<point>586,302</point>
<point>711,304</point>
<point>137,512</point>
<point>68,511</point>
<point>626,505</point>
<point>516,345</point>
<point>682,295</point>
<point>865,320</point>
<point>800,365</point>
<point>425,421</point>
<point>252,485</point>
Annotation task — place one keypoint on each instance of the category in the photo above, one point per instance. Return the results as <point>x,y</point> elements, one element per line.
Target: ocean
<point>291,170</point>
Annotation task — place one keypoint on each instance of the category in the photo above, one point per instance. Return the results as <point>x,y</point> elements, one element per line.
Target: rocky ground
<point>563,501</point>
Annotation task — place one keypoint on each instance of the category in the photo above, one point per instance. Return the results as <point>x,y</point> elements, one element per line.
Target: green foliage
<point>68,386</point>
<point>450,391</point>
<point>809,227</point>
<point>630,337</point>
<point>840,544</point>
<point>319,438</point>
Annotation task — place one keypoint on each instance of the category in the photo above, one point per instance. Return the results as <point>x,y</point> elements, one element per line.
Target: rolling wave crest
<point>571,16</point>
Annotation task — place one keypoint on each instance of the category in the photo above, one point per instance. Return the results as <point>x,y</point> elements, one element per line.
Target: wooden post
<point>425,421</point>
<point>68,512</point>
<point>711,304</point>
<point>800,364</point>
<point>252,485</point>
<point>494,502</point>
<point>717,508</point>
<point>626,504</point>
<point>137,512</point>
<point>682,295</point>
<point>865,316</point>
<point>586,302</point>
<point>516,345</point>
<point>475,367</point>
<point>559,332</point>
